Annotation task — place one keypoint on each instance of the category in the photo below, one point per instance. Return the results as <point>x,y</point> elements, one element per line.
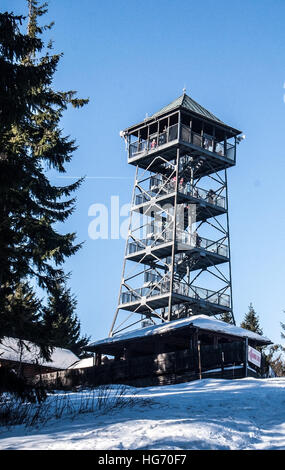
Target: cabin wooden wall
<point>160,369</point>
<point>28,370</point>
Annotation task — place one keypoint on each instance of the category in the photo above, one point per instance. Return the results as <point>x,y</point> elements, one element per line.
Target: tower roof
<point>188,104</point>
<point>184,101</point>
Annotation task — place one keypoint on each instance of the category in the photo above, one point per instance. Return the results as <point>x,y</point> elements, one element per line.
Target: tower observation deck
<point>177,259</point>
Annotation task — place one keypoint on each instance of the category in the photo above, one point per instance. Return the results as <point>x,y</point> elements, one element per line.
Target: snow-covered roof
<point>203,322</point>
<point>82,363</point>
<point>10,351</point>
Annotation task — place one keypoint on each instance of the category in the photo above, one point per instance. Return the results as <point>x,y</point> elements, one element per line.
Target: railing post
<point>190,131</point>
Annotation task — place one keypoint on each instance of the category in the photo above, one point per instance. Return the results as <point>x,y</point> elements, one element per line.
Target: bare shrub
<point>97,400</point>
<point>20,387</point>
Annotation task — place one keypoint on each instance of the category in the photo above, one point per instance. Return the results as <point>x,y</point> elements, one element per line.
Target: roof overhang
<point>145,338</point>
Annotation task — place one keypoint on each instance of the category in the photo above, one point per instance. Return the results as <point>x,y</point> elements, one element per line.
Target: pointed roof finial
<point>184,90</point>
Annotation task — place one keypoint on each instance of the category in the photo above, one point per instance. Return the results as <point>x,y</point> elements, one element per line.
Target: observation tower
<point>177,259</point>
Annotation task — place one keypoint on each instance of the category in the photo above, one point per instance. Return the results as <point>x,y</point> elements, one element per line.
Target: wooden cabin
<point>178,351</point>
<point>15,353</point>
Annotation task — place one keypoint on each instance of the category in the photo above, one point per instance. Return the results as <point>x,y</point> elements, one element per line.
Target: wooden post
<point>199,359</point>
<point>98,358</point>
<point>179,125</point>
<point>246,357</point>
<point>222,362</point>
<point>195,350</point>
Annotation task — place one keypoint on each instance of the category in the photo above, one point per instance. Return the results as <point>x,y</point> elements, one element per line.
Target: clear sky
<point>132,57</point>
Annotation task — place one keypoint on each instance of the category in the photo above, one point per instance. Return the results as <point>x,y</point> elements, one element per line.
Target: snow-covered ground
<point>206,414</point>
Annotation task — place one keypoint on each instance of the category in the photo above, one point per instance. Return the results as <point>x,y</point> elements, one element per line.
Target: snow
<point>10,351</point>
<point>200,321</point>
<point>86,362</point>
<point>245,414</point>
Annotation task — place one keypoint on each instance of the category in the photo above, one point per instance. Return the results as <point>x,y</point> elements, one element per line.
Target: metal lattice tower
<point>177,260</point>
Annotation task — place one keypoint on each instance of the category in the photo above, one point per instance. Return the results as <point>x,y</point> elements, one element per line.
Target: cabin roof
<point>10,351</point>
<point>202,322</point>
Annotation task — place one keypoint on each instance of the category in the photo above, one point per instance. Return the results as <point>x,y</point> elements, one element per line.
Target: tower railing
<point>158,139</point>
<point>155,140</point>
<point>193,240</point>
<point>161,288</point>
<point>208,142</point>
<point>158,185</point>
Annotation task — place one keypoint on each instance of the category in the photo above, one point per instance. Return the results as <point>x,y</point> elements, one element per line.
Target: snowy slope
<point>206,414</point>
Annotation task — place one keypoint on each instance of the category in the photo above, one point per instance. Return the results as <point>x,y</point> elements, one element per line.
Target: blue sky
<point>131,58</point>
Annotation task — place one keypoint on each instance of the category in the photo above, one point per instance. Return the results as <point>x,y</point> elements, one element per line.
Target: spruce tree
<point>227,318</point>
<point>283,329</point>
<point>251,321</point>
<point>22,311</point>
<point>15,100</point>
<point>31,141</point>
<point>274,357</point>
<point>60,321</point>
<point>16,80</point>
<point>21,319</point>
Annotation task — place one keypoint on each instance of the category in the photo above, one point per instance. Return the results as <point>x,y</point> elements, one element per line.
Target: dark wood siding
<point>222,361</point>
